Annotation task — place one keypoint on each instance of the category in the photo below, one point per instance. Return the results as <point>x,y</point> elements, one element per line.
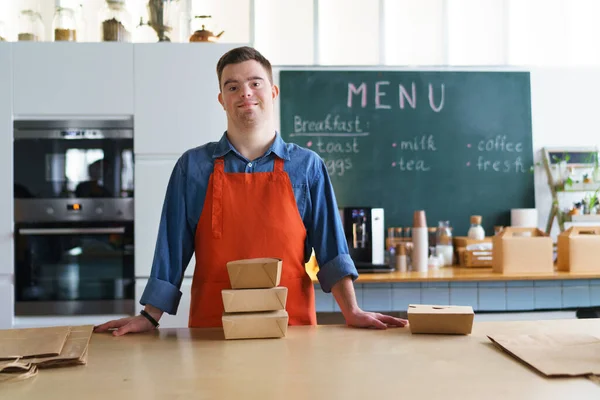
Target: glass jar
<point>31,26</point>
<point>476,231</point>
<point>117,24</point>
<point>162,17</point>
<point>143,33</point>
<point>64,25</point>
<point>443,243</point>
<point>3,36</point>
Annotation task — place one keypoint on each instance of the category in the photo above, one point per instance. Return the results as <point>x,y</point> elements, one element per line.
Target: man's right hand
<point>136,324</point>
<point>122,326</point>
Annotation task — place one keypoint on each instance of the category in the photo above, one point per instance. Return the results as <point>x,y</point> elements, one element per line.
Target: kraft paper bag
<point>74,352</point>
<point>16,370</point>
<point>32,342</point>
<point>554,354</point>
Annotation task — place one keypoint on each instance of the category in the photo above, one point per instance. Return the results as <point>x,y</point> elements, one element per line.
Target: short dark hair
<point>241,54</point>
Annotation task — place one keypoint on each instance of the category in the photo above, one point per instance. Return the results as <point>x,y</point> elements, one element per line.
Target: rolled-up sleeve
<point>174,247</point>
<point>326,233</point>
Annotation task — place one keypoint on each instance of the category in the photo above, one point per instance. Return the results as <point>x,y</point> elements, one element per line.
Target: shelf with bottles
<point>585,210</point>
<point>577,186</point>
<point>572,169</point>
<point>112,21</point>
<point>582,218</point>
<point>439,239</point>
<point>580,189</point>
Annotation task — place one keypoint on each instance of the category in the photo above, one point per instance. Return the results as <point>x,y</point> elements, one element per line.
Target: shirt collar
<point>278,147</point>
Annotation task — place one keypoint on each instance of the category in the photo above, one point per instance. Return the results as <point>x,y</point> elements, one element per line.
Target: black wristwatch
<point>149,318</point>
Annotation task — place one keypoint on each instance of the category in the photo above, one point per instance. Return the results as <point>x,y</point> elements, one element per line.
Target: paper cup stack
<point>255,305</point>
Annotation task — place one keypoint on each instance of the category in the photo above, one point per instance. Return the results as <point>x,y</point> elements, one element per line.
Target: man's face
<point>247,94</point>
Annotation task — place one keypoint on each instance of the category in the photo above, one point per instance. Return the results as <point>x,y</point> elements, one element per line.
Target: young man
<point>249,195</point>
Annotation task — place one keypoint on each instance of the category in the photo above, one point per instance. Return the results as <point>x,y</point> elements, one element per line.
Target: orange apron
<point>249,215</point>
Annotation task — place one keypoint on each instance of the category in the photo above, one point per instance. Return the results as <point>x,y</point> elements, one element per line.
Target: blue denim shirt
<point>185,198</point>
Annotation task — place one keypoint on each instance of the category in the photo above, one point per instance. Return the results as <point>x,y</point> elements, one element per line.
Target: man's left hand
<point>363,319</point>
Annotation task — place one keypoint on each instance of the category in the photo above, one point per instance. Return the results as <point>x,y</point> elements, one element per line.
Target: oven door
<point>74,268</point>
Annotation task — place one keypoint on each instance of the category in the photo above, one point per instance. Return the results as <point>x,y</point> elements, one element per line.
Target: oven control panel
<point>57,210</point>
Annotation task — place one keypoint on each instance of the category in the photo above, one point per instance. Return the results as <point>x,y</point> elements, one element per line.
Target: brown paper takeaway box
<point>522,250</point>
<point>253,300</point>
<point>268,324</point>
<point>578,249</point>
<point>450,320</point>
<point>255,306</point>
<point>256,273</point>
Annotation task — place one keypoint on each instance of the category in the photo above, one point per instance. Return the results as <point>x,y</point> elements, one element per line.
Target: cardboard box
<point>578,249</point>
<point>255,273</point>
<point>464,241</point>
<point>253,300</point>
<point>522,250</point>
<point>268,324</point>
<point>451,320</point>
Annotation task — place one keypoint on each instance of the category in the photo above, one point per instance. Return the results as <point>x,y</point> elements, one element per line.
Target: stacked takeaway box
<point>254,307</point>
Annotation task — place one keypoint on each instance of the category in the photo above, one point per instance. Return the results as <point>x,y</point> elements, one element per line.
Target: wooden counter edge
<point>459,274</point>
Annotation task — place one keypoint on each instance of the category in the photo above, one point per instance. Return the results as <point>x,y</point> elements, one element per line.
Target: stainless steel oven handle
<point>70,231</point>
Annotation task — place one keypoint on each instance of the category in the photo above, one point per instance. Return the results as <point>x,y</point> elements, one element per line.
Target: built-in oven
<point>74,217</point>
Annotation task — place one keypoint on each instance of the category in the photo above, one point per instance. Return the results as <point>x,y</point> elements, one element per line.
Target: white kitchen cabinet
<point>151,180</point>
<point>180,320</point>
<point>7,302</point>
<point>176,91</point>
<point>6,162</point>
<point>82,79</point>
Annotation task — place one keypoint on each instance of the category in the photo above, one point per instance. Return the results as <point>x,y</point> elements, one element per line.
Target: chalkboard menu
<point>453,143</point>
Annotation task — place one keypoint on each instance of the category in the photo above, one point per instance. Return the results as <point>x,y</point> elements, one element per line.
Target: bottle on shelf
<point>117,25</point>
<point>64,25</point>
<point>443,243</point>
<point>476,231</point>
<point>30,26</point>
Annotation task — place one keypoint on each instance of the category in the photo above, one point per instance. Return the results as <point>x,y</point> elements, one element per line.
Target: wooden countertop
<point>458,274</point>
<point>323,362</point>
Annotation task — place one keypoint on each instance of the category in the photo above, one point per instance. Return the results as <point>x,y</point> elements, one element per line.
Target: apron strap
<point>278,164</point>
<point>217,211</point>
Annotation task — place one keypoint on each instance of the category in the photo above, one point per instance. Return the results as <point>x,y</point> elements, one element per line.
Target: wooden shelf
<point>587,218</point>
<point>581,187</point>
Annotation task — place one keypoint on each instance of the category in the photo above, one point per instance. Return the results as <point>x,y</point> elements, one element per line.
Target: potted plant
<point>596,171</point>
<point>590,203</point>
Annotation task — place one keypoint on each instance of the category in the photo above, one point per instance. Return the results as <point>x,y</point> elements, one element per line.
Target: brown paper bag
<point>32,342</point>
<point>74,351</point>
<point>554,354</point>
<point>14,365</point>
<point>16,370</point>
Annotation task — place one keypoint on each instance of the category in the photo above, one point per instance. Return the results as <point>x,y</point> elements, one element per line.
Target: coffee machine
<point>365,234</point>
